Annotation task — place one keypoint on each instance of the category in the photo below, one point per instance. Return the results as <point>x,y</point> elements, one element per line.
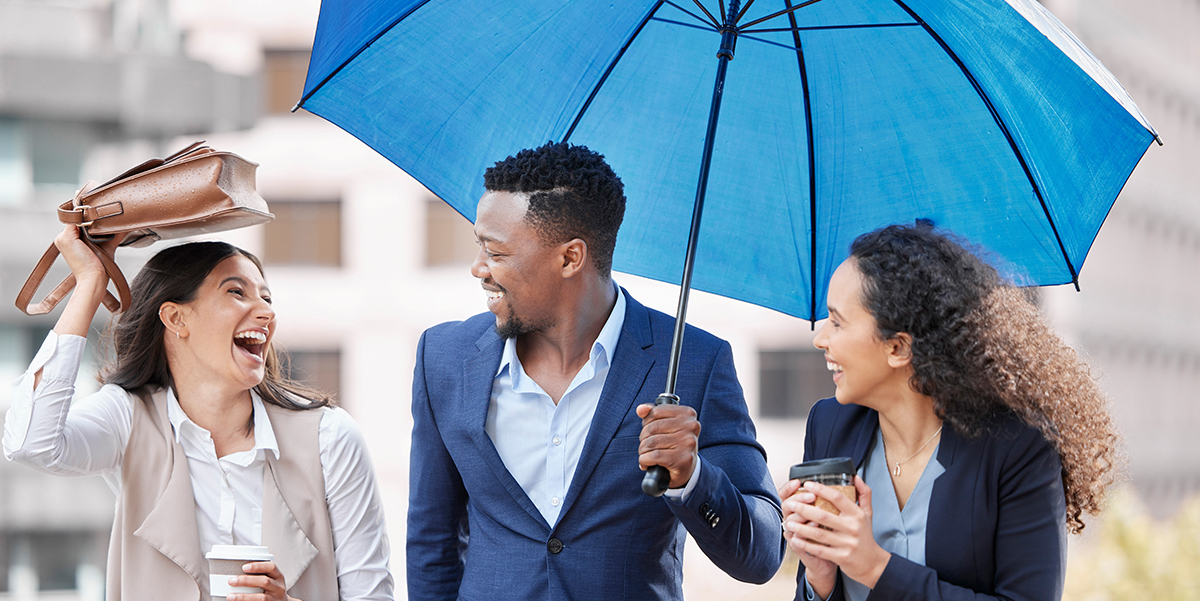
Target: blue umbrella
<point>794,126</point>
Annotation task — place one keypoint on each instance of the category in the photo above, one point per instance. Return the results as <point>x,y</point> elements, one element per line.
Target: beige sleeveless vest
<point>154,551</point>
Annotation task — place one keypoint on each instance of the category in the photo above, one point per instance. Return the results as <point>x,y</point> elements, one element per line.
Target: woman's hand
<point>820,573</point>
<point>85,266</point>
<point>91,281</point>
<point>264,575</point>
<point>846,539</point>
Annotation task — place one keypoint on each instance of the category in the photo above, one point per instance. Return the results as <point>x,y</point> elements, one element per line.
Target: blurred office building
<point>361,258</point>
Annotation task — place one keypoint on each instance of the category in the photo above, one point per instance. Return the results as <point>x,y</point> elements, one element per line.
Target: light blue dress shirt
<point>901,532</point>
<point>540,442</point>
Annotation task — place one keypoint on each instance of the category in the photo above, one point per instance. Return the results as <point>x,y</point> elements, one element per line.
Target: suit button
<point>713,521</point>
<point>704,509</point>
<point>555,546</point>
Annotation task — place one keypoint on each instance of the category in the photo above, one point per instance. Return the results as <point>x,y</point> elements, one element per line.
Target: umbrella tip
<point>1076,282</point>
<point>297,107</point>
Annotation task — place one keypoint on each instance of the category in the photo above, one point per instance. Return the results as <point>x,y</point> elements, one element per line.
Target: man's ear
<point>574,257</point>
<point>899,349</point>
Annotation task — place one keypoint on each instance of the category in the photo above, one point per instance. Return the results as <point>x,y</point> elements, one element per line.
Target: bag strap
<point>25,297</point>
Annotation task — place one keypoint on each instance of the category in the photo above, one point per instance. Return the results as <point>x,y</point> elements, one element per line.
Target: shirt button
<point>557,441</point>
<point>554,501</point>
<point>555,546</point>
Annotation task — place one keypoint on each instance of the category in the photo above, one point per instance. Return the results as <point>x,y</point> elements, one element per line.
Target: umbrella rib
<point>1012,143</point>
<point>358,52</point>
<point>743,13</point>
<point>782,12</point>
<point>828,27</point>
<point>812,170</point>
<point>611,65</point>
<point>709,15</point>
<point>682,24</point>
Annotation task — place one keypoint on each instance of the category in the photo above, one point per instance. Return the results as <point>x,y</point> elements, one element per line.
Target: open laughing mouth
<point>252,342</point>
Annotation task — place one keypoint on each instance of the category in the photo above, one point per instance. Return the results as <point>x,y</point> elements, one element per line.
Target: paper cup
<point>226,561</point>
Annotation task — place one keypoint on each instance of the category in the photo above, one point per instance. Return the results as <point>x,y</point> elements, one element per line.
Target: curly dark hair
<point>139,357</point>
<point>981,350</point>
<point>573,193</point>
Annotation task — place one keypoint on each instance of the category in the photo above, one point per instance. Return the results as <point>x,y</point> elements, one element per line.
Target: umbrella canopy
<point>987,117</point>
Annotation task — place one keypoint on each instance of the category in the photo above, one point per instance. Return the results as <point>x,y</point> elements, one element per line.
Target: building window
<point>319,369</point>
<point>283,79</point>
<point>57,150</point>
<point>791,381</point>
<point>42,560</point>
<point>449,237</point>
<point>14,168</point>
<point>304,233</point>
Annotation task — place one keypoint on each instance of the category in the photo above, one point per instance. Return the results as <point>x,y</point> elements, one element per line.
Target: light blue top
<point>901,532</point>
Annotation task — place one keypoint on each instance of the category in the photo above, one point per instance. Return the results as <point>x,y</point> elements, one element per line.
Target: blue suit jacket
<point>997,516</point>
<point>473,533</point>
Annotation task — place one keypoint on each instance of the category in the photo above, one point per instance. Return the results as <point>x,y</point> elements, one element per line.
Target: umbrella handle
<point>657,478</point>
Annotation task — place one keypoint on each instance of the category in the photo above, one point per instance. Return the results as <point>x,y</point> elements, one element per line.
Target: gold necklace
<point>896,472</point>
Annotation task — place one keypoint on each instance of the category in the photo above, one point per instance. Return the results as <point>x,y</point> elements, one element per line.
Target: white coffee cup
<point>226,561</point>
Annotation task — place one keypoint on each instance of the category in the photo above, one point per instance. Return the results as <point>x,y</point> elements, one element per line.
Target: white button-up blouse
<point>44,430</point>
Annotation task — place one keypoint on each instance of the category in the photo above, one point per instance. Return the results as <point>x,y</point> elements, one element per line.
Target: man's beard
<point>515,326</point>
<point>512,328</point>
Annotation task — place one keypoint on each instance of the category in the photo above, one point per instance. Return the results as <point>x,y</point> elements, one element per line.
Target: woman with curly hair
<point>979,437</point>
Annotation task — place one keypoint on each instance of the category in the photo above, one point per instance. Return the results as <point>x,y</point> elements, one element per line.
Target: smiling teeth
<point>258,336</point>
<point>833,366</point>
<point>494,295</point>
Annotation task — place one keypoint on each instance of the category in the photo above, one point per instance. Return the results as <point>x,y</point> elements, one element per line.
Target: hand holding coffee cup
<point>835,472</point>
<point>230,579</point>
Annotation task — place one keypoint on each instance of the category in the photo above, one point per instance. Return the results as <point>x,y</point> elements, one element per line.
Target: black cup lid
<point>832,465</point>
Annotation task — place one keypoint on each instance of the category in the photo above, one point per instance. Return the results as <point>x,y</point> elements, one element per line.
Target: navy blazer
<point>997,516</point>
<point>473,533</point>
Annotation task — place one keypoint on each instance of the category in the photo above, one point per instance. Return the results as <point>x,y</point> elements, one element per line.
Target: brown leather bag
<point>197,190</point>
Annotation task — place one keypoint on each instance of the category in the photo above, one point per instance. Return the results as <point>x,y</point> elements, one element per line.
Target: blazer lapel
<point>478,374</point>
<point>280,533</point>
<point>161,529</point>
<point>941,504</point>
<point>865,435</point>
<point>631,364</point>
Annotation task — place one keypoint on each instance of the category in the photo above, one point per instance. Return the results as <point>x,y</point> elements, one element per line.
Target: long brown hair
<point>981,351</point>
<point>175,274</point>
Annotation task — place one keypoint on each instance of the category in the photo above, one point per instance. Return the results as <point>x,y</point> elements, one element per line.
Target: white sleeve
<point>360,539</point>
<point>43,430</point>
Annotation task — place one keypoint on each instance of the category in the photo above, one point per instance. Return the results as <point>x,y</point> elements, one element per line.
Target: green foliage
<point>1135,557</point>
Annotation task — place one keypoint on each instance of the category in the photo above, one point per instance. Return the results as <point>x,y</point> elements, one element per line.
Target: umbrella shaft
<point>685,284</point>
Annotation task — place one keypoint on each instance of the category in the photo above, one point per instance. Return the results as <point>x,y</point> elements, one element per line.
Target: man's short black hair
<point>572,192</point>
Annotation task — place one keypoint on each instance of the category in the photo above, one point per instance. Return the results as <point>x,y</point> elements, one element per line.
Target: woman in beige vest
<point>202,437</point>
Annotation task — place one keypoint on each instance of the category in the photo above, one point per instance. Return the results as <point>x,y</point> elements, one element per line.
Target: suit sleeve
<point>1030,534</point>
<point>733,513</point>
<point>437,503</point>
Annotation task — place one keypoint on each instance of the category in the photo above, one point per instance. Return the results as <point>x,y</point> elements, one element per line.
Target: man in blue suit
<point>533,423</point>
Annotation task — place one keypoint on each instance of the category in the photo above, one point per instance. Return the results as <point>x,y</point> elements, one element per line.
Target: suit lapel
<point>478,374</point>
<point>161,528</point>
<point>631,364</point>
<point>281,534</point>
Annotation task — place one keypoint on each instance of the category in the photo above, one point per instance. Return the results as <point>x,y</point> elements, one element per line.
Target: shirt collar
<point>605,345</point>
<point>264,434</point>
